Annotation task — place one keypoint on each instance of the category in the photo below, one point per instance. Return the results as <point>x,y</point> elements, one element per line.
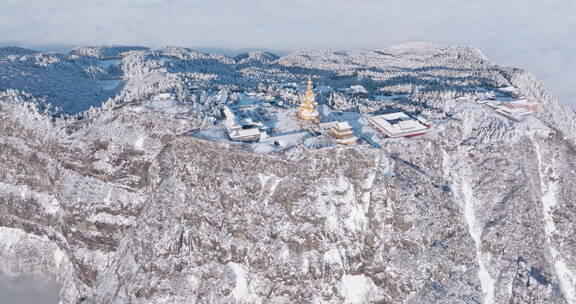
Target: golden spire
<point>309,96</point>
<point>307,109</point>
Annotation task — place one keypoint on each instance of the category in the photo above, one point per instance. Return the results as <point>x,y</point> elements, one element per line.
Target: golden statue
<point>307,109</point>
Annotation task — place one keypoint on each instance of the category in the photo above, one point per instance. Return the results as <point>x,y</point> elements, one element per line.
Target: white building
<point>241,132</point>
<point>516,110</point>
<point>397,125</point>
<point>358,90</point>
<point>163,96</point>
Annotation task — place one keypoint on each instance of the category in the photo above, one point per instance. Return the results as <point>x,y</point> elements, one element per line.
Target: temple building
<point>307,109</point>
<point>342,133</point>
<point>397,125</point>
<point>516,110</point>
<point>241,131</point>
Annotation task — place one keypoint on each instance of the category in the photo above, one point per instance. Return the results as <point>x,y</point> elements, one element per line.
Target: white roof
<point>521,102</point>
<point>404,127</point>
<point>228,113</point>
<point>515,111</point>
<point>342,125</point>
<point>408,124</point>
<point>396,115</point>
<point>422,119</point>
<point>248,132</point>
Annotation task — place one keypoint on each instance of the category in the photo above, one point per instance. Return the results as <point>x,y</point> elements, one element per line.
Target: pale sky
<point>538,35</point>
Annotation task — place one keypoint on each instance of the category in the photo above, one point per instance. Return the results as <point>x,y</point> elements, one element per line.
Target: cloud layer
<point>27,290</point>
<point>533,34</point>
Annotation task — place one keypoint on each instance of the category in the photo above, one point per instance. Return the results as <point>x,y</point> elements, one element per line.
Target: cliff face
<point>126,206</point>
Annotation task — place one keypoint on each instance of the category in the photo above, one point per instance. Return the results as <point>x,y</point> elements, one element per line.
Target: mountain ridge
<point>126,206</point>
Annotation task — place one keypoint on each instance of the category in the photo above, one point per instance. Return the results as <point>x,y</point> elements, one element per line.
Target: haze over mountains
<point>535,35</point>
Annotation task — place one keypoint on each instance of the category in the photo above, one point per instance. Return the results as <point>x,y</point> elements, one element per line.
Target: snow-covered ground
<point>241,291</point>
<point>549,185</point>
<point>476,232</point>
<point>356,288</point>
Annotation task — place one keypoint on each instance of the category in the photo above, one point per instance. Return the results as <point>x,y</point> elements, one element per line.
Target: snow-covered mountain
<point>122,203</point>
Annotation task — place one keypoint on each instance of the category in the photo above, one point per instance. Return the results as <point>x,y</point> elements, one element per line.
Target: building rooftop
<point>397,124</point>
<point>393,116</point>
<point>342,125</point>
<point>240,131</point>
<point>521,103</point>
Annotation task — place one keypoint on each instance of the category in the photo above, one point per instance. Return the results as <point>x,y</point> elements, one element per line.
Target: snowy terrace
<point>280,128</point>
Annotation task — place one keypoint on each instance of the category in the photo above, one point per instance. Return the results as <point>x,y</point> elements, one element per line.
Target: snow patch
<point>305,264</point>
<point>342,184</point>
<point>356,288</point>
<point>58,257</point>
<point>194,282</point>
<point>269,184</point>
<point>342,212</point>
<point>333,257</point>
<point>262,148</point>
<point>139,144</point>
<point>475,230</point>
<point>108,197</point>
<point>285,254</point>
<point>241,291</point>
<point>263,179</point>
<point>356,219</point>
<point>9,237</point>
<point>48,202</point>
<point>567,278</point>
<point>108,218</point>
